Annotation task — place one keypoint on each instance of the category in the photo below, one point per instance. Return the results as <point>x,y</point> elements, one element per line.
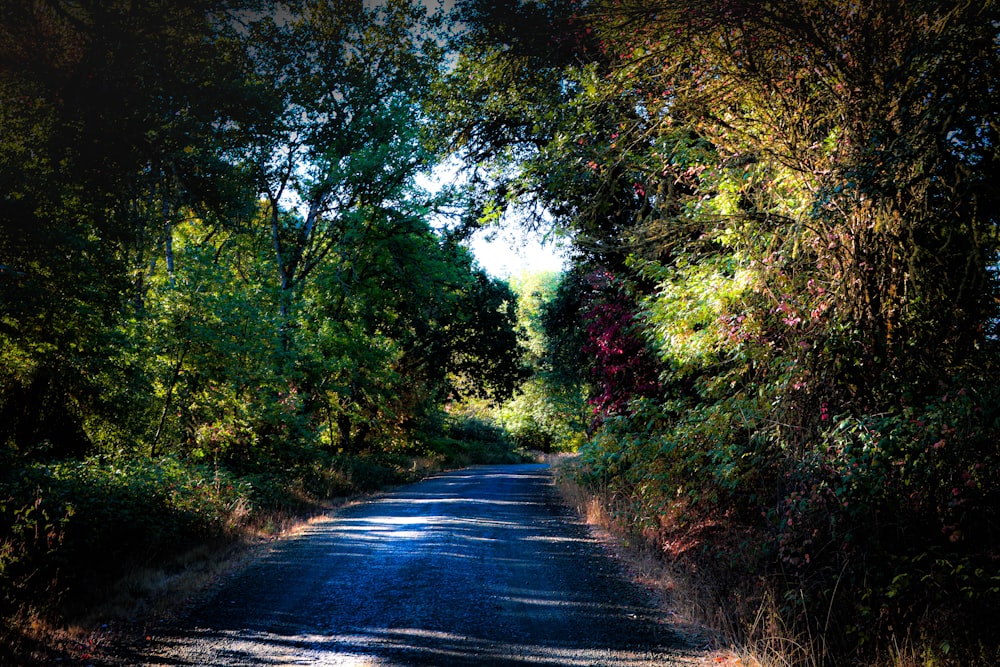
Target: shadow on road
<point>467,568</point>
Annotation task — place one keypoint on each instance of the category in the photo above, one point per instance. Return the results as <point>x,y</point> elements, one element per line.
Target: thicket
<point>224,294</point>
<point>549,412</point>
<point>783,300</point>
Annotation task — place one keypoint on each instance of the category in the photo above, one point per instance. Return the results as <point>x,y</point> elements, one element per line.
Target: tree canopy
<point>780,319</point>
<point>785,225</point>
<point>212,226</point>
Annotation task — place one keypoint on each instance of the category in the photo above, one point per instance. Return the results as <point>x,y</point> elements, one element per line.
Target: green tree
<point>348,84</point>
<point>520,107</point>
<point>100,102</point>
<point>853,145</point>
<point>550,409</point>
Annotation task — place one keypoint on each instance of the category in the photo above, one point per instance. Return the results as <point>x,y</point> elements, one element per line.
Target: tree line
<point>223,288</point>
<point>782,307</point>
<point>774,347</point>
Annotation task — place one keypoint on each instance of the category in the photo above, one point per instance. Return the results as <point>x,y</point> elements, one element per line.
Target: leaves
<point>792,193</point>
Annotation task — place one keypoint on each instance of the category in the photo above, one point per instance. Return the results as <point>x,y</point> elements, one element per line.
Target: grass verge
<point>685,597</point>
<point>708,576</point>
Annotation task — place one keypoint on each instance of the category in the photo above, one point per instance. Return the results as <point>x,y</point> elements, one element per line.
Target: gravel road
<point>474,567</point>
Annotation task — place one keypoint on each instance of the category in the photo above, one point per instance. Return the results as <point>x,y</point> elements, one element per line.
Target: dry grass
<point>136,603</point>
<point>735,618</point>
<point>132,605</point>
<point>685,598</point>
<point>769,642</point>
<point>147,596</point>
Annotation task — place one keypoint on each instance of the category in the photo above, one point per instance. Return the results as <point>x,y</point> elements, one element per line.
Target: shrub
<point>882,529</point>
<point>71,529</point>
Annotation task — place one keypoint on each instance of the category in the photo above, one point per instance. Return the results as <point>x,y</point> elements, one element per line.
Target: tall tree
<point>100,102</point>
<point>879,120</point>
<point>348,80</point>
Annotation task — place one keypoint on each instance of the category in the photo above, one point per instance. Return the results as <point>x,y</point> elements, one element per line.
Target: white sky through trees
<point>508,248</point>
<point>511,251</point>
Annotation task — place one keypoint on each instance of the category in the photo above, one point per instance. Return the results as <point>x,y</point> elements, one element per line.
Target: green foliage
<point>84,519</point>
<point>71,529</point>
<point>914,492</point>
<point>221,294</point>
<point>795,196</point>
<point>221,290</point>
<point>198,320</point>
<point>549,411</point>
<point>99,104</point>
<point>469,439</point>
<point>30,540</point>
<point>543,418</point>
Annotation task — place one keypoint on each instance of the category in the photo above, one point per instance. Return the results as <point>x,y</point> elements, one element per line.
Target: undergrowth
<point>870,555</point>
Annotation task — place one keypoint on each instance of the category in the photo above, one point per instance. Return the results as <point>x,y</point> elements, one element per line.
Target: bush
<point>97,515</point>
<point>915,496</point>
<point>880,530</point>
<point>466,439</point>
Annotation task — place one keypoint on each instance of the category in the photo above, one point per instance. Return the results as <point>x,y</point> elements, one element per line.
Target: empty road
<point>474,567</point>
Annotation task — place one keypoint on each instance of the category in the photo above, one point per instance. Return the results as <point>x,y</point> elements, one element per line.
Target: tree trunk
<point>174,376</point>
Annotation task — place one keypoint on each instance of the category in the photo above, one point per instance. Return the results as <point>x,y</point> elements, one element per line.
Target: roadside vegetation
<point>222,298</point>
<point>781,310</point>
<point>225,296</point>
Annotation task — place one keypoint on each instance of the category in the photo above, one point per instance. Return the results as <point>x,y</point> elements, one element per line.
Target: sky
<point>512,251</point>
<point>507,249</point>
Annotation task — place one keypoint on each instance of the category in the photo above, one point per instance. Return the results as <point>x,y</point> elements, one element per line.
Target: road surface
<point>474,567</point>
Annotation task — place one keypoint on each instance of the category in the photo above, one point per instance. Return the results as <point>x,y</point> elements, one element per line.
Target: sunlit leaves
<point>696,317</point>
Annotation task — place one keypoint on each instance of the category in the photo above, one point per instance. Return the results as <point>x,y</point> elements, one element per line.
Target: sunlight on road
<point>464,570</point>
<point>466,501</point>
<point>426,646</point>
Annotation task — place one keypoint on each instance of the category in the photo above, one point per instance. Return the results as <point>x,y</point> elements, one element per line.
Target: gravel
<point>481,566</point>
